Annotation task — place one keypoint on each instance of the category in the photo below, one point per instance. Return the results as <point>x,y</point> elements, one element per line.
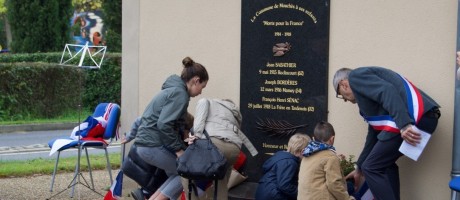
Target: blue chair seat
<point>454,184</point>
<point>112,114</point>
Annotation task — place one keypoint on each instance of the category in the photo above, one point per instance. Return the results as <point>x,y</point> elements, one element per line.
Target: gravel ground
<point>38,187</point>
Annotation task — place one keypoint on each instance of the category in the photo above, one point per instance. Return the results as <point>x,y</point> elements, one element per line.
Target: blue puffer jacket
<point>280,178</point>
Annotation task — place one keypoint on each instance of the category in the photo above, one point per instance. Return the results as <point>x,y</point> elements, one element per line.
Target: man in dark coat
<point>393,108</point>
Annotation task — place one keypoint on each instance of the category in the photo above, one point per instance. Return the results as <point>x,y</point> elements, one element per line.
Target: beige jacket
<point>222,119</point>
<point>320,178</point>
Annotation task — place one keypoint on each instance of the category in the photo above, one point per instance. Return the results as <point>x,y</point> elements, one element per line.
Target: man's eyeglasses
<point>338,95</point>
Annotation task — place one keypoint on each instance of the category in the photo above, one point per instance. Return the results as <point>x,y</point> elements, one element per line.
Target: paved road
<point>34,144</point>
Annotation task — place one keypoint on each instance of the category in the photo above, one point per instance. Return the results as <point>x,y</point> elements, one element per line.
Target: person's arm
<point>334,179</point>
<point>286,177</point>
<point>201,114</point>
<point>199,122</point>
<point>411,136</point>
<point>132,134</point>
<point>357,177</point>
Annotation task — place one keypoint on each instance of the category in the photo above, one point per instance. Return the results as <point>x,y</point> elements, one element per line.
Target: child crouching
<point>320,175</point>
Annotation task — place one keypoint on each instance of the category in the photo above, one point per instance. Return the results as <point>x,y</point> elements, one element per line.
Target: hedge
<point>35,85</point>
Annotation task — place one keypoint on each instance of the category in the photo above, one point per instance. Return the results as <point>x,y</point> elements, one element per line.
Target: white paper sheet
<point>414,152</point>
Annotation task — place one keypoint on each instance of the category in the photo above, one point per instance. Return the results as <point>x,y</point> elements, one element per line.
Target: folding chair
<point>109,134</point>
<point>454,185</point>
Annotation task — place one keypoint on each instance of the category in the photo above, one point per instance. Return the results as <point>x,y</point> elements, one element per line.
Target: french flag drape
<point>115,190</point>
<point>117,186</point>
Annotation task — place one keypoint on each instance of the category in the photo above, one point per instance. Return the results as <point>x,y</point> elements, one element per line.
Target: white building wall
<point>414,37</point>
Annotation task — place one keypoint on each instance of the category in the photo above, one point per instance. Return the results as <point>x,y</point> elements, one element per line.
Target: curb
<point>36,127</point>
<point>37,148</point>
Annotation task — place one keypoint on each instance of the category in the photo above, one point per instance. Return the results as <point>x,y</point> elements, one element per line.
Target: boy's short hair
<point>323,131</point>
<point>297,143</point>
<point>188,121</point>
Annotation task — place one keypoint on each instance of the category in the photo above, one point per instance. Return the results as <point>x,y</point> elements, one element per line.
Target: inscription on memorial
<point>284,68</point>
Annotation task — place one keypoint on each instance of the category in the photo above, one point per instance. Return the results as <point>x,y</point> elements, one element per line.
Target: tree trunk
<point>9,37</point>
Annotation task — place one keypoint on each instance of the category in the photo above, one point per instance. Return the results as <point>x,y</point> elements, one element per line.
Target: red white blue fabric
<point>115,190</point>
<point>415,107</point>
<point>91,129</point>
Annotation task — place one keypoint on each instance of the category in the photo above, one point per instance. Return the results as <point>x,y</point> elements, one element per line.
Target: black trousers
<point>380,169</point>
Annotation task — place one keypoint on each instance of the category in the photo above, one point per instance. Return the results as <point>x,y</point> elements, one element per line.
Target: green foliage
<point>39,26</point>
<point>53,57</point>
<point>112,21</point>
<point>2,7</point>
<point>113,41</point>
<point>104,85</point>
<point>85,5</point>
<point>347,165</point>
<point>63,26</point>
<point>30,90</point>
<point>36,89</point>
<point>3,41</point>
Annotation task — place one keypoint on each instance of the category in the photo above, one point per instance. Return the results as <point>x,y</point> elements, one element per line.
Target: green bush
<point>40,90</point>
<point>104,85</point>
<point>54,57</point>
<point>30,89</point>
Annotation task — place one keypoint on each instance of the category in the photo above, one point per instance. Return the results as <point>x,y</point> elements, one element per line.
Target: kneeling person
<point>280,178</point>
<point>320,175</point>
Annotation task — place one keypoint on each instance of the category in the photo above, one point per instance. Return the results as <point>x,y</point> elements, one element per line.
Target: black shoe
<point>137,194</point>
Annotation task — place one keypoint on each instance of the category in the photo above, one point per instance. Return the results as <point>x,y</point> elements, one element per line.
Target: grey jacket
<point>160,118</point>
<point>379,91</point>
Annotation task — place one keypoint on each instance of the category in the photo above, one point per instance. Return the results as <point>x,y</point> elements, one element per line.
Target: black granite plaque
<point>284,69</point>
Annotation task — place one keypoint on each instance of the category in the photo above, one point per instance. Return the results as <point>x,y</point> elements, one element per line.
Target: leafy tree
<point>112,21</point>
<point>39,26</point>
<point>2,7</point>
<point>85,5</point>
<point>5,33</point>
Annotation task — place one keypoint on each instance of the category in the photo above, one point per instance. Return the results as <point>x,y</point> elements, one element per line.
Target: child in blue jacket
<point>280,178</point>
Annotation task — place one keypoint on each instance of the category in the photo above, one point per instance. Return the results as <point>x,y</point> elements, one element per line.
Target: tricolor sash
<point>414,105</point>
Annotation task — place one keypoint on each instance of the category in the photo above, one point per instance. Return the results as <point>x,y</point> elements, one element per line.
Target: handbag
<point>202,160</point>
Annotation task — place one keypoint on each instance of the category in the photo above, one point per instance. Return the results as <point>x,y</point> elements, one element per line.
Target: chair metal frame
<point>109,134</point>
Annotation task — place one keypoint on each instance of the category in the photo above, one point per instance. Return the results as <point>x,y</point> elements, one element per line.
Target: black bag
<point>147,176</point>
<point>202,160</point>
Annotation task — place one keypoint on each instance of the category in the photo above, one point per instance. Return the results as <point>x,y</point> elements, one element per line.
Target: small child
<point>320,175</point>
<point>280,178</point>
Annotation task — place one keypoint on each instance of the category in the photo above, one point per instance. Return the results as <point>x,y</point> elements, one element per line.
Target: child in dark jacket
<point>280,178</point>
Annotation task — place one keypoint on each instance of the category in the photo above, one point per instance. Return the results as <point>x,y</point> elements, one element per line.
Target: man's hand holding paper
<point>414,142</point>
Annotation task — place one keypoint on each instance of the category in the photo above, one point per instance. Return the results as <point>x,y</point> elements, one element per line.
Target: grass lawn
<point>46,166</point>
